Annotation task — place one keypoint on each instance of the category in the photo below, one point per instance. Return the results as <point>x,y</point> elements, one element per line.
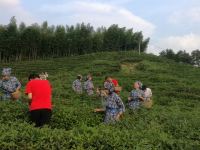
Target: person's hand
<point>99,110</point>
<point>118,116</point>
<point>129,98</point>
<point>17,89</point>
<point>97,90</point>
<point>141,98</point>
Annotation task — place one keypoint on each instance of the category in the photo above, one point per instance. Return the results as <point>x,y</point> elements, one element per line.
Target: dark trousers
<point>40,117</point>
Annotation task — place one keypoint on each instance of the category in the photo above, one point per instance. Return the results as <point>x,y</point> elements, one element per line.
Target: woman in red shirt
<point>39,94</point>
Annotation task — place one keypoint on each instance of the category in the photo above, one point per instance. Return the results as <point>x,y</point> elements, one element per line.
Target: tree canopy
<point>182,56</point>
<point>21,42</point>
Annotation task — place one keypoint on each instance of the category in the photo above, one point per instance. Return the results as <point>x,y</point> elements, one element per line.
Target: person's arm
<point>91,86</point>
<point>119,115</point>
<point>121,107</point>
<point>74,86</point>
<point>18,88</point>
<point>141,98</point>
<point>30,96</point>
<point>130,97</point>
<point>28,92</point>
<point>18,84</point>
<point>105,84</point>
<point>99,110</point>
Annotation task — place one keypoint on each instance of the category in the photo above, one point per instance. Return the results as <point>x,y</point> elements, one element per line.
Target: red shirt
<point>41,94</point>
<point>115,82</point>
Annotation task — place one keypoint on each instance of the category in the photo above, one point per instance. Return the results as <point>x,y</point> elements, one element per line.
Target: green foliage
<point>172,123</point>
<point>33,42</point>
<point>183,56</point>
<point>196,57</point>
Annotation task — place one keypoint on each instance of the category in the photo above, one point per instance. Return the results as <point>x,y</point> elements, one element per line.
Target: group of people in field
<point>112,104</point>
<point>39,94</point>
<point>38,91</point>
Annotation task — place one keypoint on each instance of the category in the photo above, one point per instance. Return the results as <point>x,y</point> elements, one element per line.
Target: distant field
<point>173,123</point>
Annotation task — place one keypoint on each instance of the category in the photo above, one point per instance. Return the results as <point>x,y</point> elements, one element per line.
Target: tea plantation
<point>172,123</point>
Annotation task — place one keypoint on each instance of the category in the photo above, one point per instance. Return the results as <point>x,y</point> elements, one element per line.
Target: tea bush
<point>172,123</point>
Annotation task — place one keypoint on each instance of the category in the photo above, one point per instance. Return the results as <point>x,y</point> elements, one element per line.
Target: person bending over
<point>114,107</point>
<point>134,100</point>
<point>39,93</point>
<point>108,84</point>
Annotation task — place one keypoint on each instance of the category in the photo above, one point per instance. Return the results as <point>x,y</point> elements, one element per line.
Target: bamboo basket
<point>148,103</point>
<point>118,88</point>
<point>16,95</point>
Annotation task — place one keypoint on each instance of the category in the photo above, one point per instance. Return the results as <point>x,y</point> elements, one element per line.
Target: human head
<point>43,76</point>
<point>108,78</point>
<point>79,77</point>
<point>137,85</point>
<point>89,77</point>
<point>6,72</point>
<point>33,76</point>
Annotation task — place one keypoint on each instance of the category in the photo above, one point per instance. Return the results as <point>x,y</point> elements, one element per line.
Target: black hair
<point>144,87</point>
<point>33,76</point>
<point>79,77</point>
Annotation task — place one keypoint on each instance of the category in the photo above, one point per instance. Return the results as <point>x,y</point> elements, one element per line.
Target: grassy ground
<point>173,123</point>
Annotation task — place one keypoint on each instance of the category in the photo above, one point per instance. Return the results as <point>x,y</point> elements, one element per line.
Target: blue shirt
<point>9,86</point>
<point>113,101</point>
<point>77,86</point>
<point>89,87</point>
<point>136,94</point>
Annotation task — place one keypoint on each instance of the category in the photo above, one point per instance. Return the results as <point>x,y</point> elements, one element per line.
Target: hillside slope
<point>173,123</point>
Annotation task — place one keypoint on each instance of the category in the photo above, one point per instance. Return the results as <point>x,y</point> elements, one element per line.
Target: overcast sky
<point>169,23</point>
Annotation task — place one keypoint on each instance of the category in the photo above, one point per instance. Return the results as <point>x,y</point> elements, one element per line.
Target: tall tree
<point>196,57</point>
<point>168,53</point>
<point>184,57</point>
<point>43,41</point>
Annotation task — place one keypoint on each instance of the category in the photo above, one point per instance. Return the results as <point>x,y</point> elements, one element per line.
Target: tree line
<point>182,56</point>
<point>21,42</point>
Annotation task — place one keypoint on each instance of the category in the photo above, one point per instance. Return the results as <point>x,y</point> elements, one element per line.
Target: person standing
<point>134,100</point>
<point>77,85</point>
<point>108,84</point>
<point>9,85</point>
<point>89,86</point>
<point>39,93</point>
<point>114,107</point>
